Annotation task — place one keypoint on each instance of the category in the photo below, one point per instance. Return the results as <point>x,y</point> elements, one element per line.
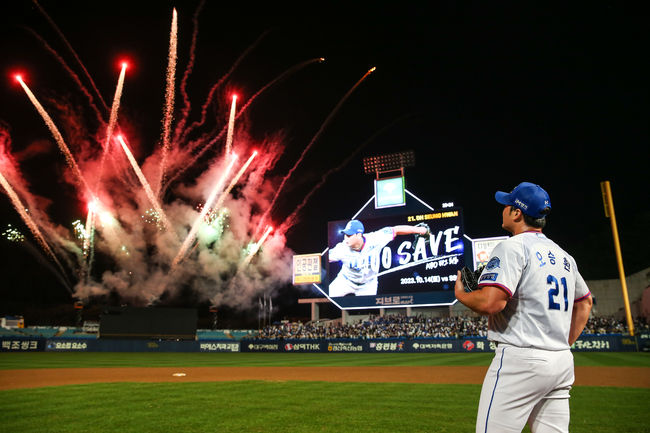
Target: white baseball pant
<point>526,385</point>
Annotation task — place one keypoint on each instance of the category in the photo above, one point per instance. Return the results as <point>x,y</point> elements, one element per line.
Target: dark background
<point>487,94</point>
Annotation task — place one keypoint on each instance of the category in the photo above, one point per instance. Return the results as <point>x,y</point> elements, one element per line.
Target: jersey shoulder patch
<point>494,263</point>
<point>491,276</point>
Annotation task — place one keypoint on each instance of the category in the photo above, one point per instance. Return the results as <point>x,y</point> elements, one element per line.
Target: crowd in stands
<point>394,326</point>
<point>610,325</point>
<point>413,327</point>
<point>390,326</point>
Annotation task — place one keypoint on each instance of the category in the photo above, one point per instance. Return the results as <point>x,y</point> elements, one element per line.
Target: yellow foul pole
<point>609,213</point>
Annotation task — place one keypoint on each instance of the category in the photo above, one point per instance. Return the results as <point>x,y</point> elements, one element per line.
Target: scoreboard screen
<point>394,267</point>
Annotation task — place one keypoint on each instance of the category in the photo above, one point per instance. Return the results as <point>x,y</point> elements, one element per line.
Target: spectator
<point>417,327</point>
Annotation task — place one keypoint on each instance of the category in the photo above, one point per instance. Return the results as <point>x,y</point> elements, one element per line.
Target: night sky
<point>486,94</point>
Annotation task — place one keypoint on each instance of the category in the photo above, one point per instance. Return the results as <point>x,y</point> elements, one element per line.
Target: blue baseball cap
<point>353,227</point>
<point>531,199</point>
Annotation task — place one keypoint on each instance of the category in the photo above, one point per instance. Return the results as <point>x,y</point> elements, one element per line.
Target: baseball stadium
<point>254,218</point>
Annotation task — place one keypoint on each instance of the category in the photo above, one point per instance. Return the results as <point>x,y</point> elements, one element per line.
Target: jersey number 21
<point>555,291</point>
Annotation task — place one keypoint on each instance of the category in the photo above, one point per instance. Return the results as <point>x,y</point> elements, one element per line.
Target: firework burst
<point>12,234</point>
<point>142,238</point>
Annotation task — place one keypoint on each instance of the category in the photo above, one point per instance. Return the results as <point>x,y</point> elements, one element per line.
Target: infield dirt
<point>637,377</point>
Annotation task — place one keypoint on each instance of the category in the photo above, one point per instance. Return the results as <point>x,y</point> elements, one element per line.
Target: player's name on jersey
<point>432,216</point>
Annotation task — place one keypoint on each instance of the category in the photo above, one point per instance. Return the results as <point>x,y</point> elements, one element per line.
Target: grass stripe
<point>255,406</point>
<point>151,359</point>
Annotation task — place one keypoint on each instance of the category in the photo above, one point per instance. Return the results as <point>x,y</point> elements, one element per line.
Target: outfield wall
<point>586,343</point>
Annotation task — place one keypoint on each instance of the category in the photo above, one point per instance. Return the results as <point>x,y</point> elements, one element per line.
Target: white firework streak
<point>169,95</point>
<point>112,121</point>
<point>231,125</point>
<point>56,134</point>
<point>145,184</point>
<point>206,208</point>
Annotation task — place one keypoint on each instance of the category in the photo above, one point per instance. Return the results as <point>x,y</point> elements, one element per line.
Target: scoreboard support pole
<point>315,308</point>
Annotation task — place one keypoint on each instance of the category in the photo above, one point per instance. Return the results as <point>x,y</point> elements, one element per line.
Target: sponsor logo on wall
<point>67,345</point>
<point>344,347</point>
<point>219,347</point>
<point>19,345</point>
<point>393,346</point>
<point>302,347</point>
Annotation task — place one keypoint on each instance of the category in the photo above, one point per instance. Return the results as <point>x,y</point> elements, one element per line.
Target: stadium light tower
<point>79,307</point>
<point>382,164</point>
<point>214,311</point>
<point>389,177</point>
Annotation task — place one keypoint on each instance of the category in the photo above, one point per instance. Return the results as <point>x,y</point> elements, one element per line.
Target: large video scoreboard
<point>396,271</point>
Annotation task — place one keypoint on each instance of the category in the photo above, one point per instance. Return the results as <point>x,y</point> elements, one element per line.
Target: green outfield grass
<point>256,406</point>
<point>19,360</point>
<point>271,406</point>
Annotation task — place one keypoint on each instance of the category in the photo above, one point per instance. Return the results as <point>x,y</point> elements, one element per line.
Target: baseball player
<point>359,257</point>
<point>538,304</point>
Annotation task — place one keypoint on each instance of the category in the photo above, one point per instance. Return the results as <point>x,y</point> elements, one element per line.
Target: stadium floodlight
<point>391,162</point>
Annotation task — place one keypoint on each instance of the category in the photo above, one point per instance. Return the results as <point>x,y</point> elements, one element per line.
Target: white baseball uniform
<point>532,371</point>
<point>358,274</point>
